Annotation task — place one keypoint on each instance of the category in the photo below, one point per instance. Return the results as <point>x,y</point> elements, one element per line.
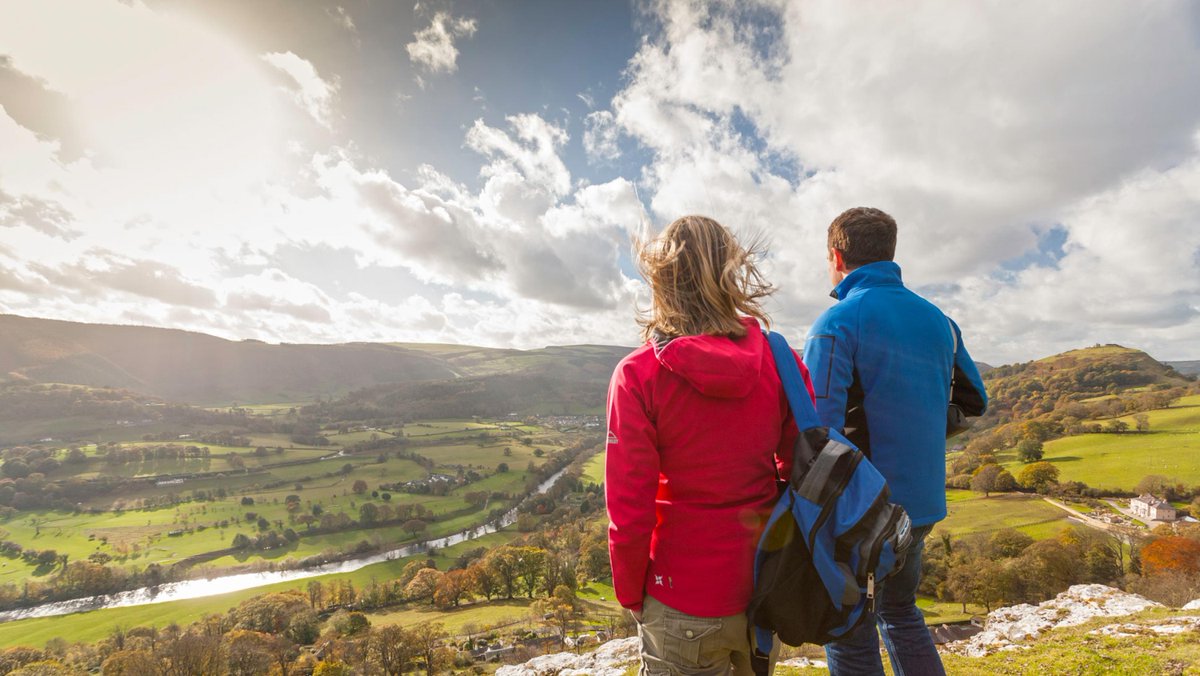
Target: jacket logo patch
<point>612,438</point>
<point>658,580</point>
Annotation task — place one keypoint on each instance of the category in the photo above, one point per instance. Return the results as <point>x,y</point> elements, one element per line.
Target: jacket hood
<point>717,366</point>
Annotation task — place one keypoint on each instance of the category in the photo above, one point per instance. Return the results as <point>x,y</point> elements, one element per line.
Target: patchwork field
<point>226,501</point>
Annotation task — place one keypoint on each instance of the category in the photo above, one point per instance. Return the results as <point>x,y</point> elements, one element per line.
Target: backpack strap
<point>793,383</point>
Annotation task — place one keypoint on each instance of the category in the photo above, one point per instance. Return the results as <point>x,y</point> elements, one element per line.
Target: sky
<point>475,172</point>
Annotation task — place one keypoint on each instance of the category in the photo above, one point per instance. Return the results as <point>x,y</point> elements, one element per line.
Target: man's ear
<point>839,261</point>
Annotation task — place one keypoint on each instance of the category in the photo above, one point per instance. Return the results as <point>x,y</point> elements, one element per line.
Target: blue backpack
<point>832,537</point>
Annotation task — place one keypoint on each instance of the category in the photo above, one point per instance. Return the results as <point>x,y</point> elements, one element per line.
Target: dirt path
<point>1083,518</point>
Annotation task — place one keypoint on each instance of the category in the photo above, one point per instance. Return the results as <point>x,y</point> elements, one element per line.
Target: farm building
<point>1152,508</point>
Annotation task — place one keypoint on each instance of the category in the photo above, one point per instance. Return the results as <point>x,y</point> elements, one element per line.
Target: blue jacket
<point>881,361</point>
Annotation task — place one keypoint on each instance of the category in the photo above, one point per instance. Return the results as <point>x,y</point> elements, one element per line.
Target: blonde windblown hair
<point>701,280</point>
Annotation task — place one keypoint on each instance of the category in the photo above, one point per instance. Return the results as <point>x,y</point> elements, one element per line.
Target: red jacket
<point>696,430</point>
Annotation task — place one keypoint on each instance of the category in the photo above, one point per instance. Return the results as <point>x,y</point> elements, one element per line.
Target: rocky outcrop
<point>1009,628</point>
<point>1014,626</point>
<point>610,659</point>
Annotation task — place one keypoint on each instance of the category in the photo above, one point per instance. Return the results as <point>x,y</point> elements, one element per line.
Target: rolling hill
<point>201,369</point>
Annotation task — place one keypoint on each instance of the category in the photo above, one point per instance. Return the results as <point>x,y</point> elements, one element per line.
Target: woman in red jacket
<point>698,425</point>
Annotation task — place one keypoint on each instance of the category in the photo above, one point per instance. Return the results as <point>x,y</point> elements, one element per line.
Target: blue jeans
<point>909,645</point>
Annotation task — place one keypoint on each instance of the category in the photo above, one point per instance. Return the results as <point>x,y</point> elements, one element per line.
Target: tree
<point>415,526</point>
<point>332,668</point>
<point>316,594</point>
<point>531,567</point>
<point>1038,475</point>
<point>502,562</point>
<point>359,487</point>
<point>130,663</point>
<point>484,580</point>
<point>423,584</point>
<point>1173,553</point>
<point>428,639</point>
<point>368,513</point>
<point>452,588</point>
<point>391,648</point>
<point>349,624</point>
<point>1029,450</point>
<point>560,610</point>
<point>984,479</point>
<point>501,468</point>
<point>1142,421</point>
<point>1116,426</point>
<point>1157,485</point>
<point>1004,482</point>
<point>193,653</point>
<point>1008,542</point>
<point>249,652</point>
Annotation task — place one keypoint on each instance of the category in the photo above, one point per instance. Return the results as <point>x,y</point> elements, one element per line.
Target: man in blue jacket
<point>882,361</point>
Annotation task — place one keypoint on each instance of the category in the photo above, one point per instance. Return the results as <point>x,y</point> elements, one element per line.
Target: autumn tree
<point>249,652</point>
<point>359,487</point>
<point>391,648</point>
<point>483,579</point>
<point>452,588</point>
<point>423,584</point>
<point>130,663</point>
<point>560,610</point>
<point>428,638</point>
<point>984,479</point>
<point>1038,476</point>
<point>1173,553</point>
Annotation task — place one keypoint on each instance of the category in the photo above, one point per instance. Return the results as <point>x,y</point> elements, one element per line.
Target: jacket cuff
<point>637,607</point>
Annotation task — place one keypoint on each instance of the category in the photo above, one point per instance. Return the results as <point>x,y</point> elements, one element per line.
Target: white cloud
<point>313,94</point>
<point>974,125</point>
<point>600,134</point>
<point>978,128</point>
<point>433,46</point>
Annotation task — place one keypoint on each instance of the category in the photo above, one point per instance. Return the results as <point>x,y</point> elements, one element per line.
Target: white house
<point>1150,507</point>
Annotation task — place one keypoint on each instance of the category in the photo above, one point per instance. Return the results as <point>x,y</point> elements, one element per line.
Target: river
<point>195,589</point>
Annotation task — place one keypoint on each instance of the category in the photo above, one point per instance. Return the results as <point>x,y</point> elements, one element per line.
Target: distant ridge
<point>198,368</point>
<point>1187,368</point>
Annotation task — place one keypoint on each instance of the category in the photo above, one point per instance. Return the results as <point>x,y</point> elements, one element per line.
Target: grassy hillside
<point>1171,448</point>
<point>1071,394</point>
<point>197,368</point>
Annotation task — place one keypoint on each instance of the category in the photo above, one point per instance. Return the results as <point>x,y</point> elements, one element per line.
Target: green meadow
<point>969,513</point>
<point>593,471</point>
<point>1171,448</point>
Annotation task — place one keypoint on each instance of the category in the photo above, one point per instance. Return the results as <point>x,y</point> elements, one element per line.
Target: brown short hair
<point>701,280</point>
<point>863,235</point>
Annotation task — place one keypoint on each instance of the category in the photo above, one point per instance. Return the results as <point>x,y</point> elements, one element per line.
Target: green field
<point>1171,448</point>
<point>593,470</point>
<point>972,513</point>
<point>95,625</point>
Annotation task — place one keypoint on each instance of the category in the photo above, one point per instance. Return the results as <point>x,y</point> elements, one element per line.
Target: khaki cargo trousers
<point>678,644</point>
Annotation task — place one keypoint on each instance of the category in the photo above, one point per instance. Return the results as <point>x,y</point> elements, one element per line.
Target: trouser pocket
<point>692,642</point>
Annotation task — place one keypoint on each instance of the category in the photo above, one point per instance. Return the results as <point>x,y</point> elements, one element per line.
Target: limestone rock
<point>610,659</point>
<point>1007,628</point>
